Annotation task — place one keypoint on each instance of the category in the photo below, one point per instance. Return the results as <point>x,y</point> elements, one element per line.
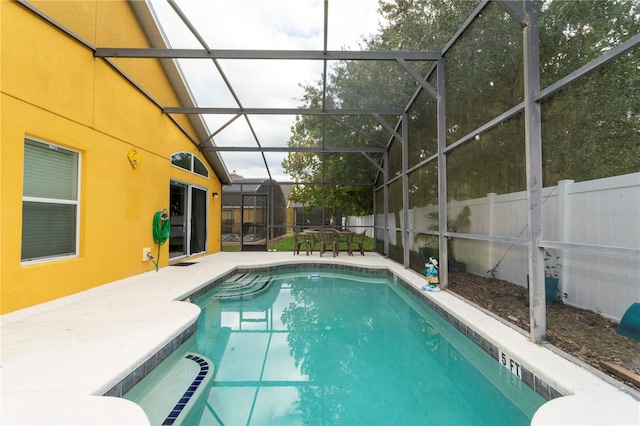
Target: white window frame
<point>192,160</point>
<point>57,201</point>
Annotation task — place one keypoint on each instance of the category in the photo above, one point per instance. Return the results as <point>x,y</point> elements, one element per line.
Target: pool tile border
<point>140,373</point>
<point>529,378</point>
<point>191,390</point>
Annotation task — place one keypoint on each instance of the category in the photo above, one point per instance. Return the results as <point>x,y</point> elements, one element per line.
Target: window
<point>189,162</point>
<point>49,201</point>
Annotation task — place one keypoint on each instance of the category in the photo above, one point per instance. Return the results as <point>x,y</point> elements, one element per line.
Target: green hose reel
<point>161,231</point>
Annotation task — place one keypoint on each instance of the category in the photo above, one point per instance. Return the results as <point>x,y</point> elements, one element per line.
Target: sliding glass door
<point>198,240</point>
<point>188,220</point>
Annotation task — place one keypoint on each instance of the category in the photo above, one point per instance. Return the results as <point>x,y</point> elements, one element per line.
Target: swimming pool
<point>339,347</point>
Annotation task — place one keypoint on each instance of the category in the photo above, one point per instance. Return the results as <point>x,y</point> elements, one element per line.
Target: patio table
<point>343,236</point>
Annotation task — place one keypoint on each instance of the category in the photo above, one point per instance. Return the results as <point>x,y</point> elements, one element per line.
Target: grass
<point>287,243</point>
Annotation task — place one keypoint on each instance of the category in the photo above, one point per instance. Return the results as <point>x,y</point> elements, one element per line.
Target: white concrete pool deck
<point>59,357</point>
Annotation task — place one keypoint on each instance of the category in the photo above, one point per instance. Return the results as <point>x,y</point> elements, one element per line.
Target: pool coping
<point>168,321</point>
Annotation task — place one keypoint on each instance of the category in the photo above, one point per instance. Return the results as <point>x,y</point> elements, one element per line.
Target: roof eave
<point>151,28</point>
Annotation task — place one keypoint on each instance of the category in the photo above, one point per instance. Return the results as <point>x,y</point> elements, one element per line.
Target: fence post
<point>491,200</point>
<point>563,228</point>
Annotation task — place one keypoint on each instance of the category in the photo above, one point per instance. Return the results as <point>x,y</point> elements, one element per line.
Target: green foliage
<point>590,129</point>
<point>347,177</point>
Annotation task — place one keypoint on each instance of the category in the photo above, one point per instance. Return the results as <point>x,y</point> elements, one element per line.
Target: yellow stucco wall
<point>53,89</point>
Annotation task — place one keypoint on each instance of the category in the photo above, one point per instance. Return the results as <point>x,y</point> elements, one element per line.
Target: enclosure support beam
<point>281,111</point>
<point>317,150</point>
<point>405,191</point>
<point>319,55</point>
<point>609,56</point>
<point>421,81</point>
<point>372,161</point>
<point>386,203</point>
<point>387,126</point>
<point>443,270</point>
<point>533,148</point>
<point>513,10</point>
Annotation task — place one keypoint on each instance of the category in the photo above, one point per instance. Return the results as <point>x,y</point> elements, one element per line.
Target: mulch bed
<point>584,334</point>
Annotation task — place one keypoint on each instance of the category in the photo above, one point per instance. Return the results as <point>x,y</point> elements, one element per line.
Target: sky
<point>258,25</point>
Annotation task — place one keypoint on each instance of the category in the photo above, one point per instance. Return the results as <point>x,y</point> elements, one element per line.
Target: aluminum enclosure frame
<point>527,18</point>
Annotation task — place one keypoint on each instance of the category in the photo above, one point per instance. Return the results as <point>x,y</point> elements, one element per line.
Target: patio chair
<point>299,239</point>
<point>328,237</point>
<point>356,240</point>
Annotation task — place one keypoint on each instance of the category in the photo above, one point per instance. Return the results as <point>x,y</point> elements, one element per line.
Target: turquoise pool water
<point>318,347</point>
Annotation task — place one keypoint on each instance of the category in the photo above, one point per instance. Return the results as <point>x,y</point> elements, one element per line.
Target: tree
<point>591,129</point>
<point>323,176</point>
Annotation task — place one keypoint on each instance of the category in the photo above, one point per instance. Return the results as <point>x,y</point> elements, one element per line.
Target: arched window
<point>189,162</point>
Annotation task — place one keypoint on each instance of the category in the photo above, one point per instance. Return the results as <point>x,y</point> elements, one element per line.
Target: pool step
<point>169,395</point>
<point>192,393</point>
<point>243,285</point>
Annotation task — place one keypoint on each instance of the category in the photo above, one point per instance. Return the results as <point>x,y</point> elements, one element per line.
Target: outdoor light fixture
<point>215,195</point>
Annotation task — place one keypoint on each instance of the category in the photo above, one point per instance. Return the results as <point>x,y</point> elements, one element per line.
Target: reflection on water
<point>331,350</point>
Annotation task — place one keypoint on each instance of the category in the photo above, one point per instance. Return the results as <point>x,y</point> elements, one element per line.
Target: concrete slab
<point>60,356</point>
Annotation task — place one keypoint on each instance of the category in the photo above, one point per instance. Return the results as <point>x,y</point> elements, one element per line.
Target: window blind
<point>48,225</point>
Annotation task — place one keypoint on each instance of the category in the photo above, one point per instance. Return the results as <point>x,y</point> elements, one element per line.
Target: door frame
<point>187,224</point>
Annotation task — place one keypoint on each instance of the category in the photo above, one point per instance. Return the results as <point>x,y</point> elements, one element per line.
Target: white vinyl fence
<point>603,212</point>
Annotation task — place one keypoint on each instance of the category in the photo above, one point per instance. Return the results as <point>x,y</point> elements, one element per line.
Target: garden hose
<point>161,231</point>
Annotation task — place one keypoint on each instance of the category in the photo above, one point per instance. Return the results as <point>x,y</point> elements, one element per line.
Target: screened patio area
<point>499,137</point>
